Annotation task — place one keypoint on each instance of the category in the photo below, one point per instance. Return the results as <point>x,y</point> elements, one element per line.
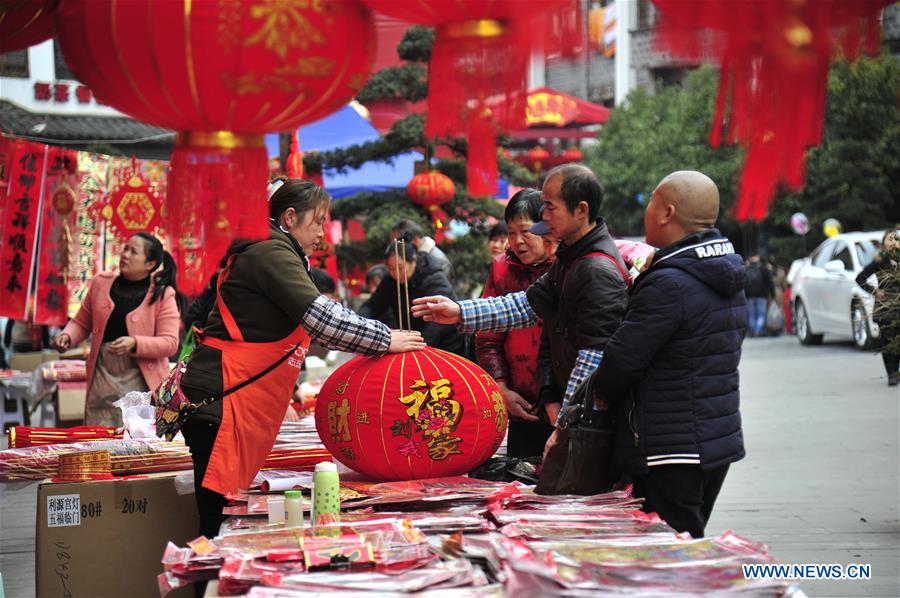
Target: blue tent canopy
<point>342,129</point>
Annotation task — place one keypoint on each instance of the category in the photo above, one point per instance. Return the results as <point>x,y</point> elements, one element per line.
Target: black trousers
<point>200,436</point>
<point>891,360</point>
<point>682,495</point>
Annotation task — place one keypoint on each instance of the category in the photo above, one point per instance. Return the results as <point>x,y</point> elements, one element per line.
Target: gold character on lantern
<point>435,413</point>
<point>362,417</point>
<point>337,421</point>
<point>348,452</point>
<point>499,410</point>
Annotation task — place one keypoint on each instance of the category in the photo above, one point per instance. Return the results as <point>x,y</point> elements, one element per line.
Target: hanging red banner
<point>91,177</point>
<point>57,224</point>
<point>18,251</point>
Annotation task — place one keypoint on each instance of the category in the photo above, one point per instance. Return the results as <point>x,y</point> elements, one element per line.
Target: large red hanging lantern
<point>221,73</point>
<point>481,52</point>
<point>24,23</point>
<point>431,190</point>
<point>423,414</point>
<point>774,59</point>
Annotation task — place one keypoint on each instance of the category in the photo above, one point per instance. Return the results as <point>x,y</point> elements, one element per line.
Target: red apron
<point>251,416</point>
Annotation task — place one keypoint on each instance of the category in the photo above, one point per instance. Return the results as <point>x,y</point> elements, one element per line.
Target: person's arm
<point>335,327</point>
<point>498,314</point>
<point>862,279</point>
<point>199,310</point>
<point>600,305</point>
<point>654,315</point>
<point>80,326</point>
<point>489,345</point>
<point>165,340</point>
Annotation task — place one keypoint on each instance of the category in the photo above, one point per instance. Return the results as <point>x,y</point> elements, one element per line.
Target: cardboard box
<point>31,360</point>
<point>70,401</point>
<point>106,538</point>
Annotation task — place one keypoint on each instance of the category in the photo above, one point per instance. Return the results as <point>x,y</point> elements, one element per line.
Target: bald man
<point>671,368</point>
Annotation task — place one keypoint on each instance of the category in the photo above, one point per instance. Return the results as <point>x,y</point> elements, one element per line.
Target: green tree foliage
<point>653,135</point>
<point>853,174</point>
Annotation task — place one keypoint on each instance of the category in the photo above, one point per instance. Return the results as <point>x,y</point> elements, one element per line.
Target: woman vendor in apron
<point>266,306</point>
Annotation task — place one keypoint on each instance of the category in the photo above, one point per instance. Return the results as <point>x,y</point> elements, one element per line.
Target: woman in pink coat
<point>133,322</point>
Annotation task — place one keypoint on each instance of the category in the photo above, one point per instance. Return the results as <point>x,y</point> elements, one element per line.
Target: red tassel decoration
<point>216,193</point>
<point>774,59</point>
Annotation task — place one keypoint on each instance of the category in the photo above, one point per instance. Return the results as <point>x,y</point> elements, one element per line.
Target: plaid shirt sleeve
<point>588,361</point>
<point>336,327</point>
<point>496,314</point>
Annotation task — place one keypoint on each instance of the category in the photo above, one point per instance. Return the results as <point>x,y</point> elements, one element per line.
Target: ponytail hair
<point>165,277</point>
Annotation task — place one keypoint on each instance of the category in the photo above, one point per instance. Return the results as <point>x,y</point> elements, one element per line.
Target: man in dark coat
<point>581,298</point>
<point>672,366</point>
<point>422,277</point>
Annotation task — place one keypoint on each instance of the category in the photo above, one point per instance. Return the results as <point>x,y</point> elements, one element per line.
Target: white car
<point>824,294</point>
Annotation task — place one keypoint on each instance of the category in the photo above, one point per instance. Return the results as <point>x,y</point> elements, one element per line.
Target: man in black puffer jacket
<point>672,366</point>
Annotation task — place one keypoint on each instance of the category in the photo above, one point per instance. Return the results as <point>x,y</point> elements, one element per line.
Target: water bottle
<point>326,500</point>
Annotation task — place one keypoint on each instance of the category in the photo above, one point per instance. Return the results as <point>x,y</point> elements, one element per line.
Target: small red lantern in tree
<point>573,154</point>
<point>222,73</point>
<point>431,190</point>
<point>24,23</point>
<point>423,414</point>
<point>536,159</point>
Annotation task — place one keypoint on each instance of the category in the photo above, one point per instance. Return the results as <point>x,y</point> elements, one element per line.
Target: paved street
<point>820,480</point>
<point>819,485</point>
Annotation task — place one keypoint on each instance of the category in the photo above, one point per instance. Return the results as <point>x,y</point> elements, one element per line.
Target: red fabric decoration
<point>134,207</point>
<point>424,414</point>
<point>24,23</point>
<point>225,71</point>
<point>481,51</point>
<point>431,190</point>
<point>774,60</point>
<point>58,224</point>
<point>20,222</point>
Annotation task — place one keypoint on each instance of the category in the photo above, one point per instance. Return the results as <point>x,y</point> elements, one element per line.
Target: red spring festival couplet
<point>57,243</point>
<point>423,414</point>
<point>20,222</point>
<point>222,73</point>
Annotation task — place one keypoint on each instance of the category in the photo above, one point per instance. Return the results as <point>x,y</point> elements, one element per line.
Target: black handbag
<point>580,461</point>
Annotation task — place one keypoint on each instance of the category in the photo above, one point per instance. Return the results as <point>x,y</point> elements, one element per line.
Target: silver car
<point>824,294</point>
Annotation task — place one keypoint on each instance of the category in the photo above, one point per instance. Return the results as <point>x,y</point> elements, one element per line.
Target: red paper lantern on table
<point>407,416</point>
<point>221,74</point>
<point>431,190</point>
<point>774,59</point>
<point>481,51</point>
<point>24,23</point>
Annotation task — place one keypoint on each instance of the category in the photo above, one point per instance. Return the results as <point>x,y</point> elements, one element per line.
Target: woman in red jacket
<point>133,322</point>
<point>511,357</point>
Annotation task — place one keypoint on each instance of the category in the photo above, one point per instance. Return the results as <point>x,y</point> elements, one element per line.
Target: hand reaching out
<point>438,309</point>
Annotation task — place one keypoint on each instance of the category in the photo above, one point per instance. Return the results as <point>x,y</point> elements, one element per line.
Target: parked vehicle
<point>825,296</point>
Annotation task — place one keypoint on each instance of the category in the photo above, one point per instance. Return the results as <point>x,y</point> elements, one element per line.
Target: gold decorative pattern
<point>284,26</point>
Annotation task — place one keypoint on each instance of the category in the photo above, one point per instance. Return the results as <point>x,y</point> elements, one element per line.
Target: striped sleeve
<point>496,314</point>
<point>588,360</point>
<point>336,327</point>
